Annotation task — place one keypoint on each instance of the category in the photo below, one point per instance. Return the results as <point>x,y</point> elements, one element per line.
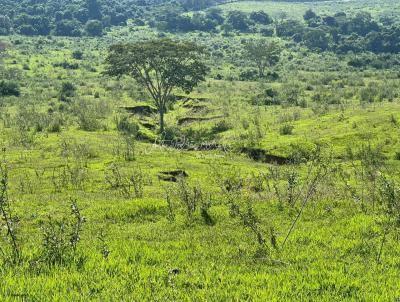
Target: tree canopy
<point>264,53</point>
<point>161,66</point>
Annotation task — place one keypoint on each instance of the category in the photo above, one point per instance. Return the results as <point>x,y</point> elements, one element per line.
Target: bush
<point>268,98</point>
<point>126,127</point>
<point>94,28</point>
<point>9,88</point>
<point>249,75</point>
<point>77,55</point>
<point>61,238</point>
<point>369,94</point>
<point>267,31</point>
<point>286,129</point>
<point>290,94</point>
<point>221,126</point>
<point>67,65</point>
<point>88,115</point>
<point>67,91</point>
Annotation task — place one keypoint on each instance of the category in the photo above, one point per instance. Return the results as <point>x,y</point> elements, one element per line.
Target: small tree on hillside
<point>263,53</point>
<point>161,66</point>
<point>3,48</point>
<point>94,28</point>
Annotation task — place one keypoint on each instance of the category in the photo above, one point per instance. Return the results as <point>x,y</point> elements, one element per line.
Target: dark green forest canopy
<point>68,18</point>
<point>340,32</point>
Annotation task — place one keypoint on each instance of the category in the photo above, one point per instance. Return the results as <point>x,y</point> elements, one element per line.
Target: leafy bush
<point>77,55</point>
<point>290,94</point>
<point>94,28</point>
<point>221,126</point>
<point>268,98</point>
<point>9,88</point>
<point>126,127</point>
<point>61,238</point>
<point>286,129</point>
<point>67,91</point>
<point>370,93</point>
<point>67,65</point>
<point>87,119</point>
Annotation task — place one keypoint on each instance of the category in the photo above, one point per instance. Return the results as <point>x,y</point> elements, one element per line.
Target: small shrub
<point>67,65</point>
<point>67,91</point>
<point>192,198</point>
<point>77,55</point>
<point>286,129</point>
<point>87,115</point>
<point>221,126</point>
<point>9,88</point>
<point>125,126</point>
<point>394,120</point>
<point>61,237</point>
<point>127,184</point>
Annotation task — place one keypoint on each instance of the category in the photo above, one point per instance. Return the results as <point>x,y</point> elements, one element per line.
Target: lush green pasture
<point>331,255</point>
<point>313,218</point>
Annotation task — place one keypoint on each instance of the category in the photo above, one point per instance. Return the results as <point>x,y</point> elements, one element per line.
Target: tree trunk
<point>261,71</point>
<point>161,111</point>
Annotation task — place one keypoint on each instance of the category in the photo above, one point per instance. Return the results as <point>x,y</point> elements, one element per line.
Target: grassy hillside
<point>277,188</point>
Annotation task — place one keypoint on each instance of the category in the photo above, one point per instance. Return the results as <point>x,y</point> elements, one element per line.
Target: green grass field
<point>321,225</point>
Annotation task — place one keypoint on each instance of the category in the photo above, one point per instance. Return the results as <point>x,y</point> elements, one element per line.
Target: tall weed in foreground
<point>9,221</point>
<point>127,184</point>
<point>193,199</point>
<point>317,169</point>
<point>61,237</point>
<point>361,181</point>
<point>389,218</point>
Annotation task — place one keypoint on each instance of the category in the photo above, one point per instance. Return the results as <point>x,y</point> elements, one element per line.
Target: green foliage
<point>161,66</point>
<point>9,88</point>
<point>286,129</point>
<point>94,28</point>
<point>8,221</point>
<point>61,238</point>
<point>67,91</point>
<point>5,25</point>
<point>238,21</point>
<point>126,126</point>
<point>71,28</point>
<point>263,53</point>
<point>77,55</point>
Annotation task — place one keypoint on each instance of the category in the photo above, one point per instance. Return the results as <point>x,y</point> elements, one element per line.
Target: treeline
<point>344,33</point>
<point>83,17</point>
<point>213,19</point>
<point>69,18</point>
<point>340,33</point>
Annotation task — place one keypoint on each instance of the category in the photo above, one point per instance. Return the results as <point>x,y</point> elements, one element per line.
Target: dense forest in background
<point>75,18</point>
<point>340,32</point>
